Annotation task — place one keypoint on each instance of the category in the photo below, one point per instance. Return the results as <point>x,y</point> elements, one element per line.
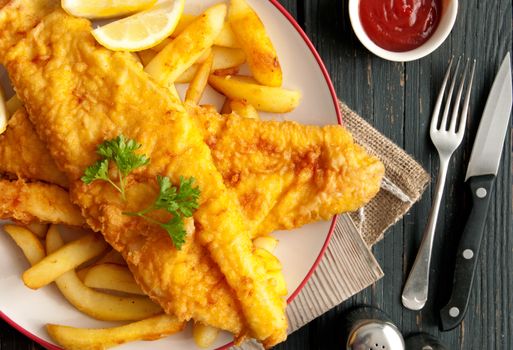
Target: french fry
<point>39,229</point>
<point>188,75</point>
<point>270,262</point>
<point>70,256</point>
<point>103,338</point>
<point>199,82</point>
<point>13,104</point>
<point>173,91</point>
<point>263,98</point>
<point>185,20</point>
<point>250,33</point>
<point>226,71</point>
<point>226,108</point>
<point>37,201</point>
<point>244,109</point>
<point>112,257</point>
<point>188,46</point>
<point>204,335</point>
<point>112,277</point>
<point>27,241</point>
<point>102,306</point>
<point>204,56</point>
<point>136,57</point>
<point>225,38</point>
<point>266,242</point>
<point>146,56</point>
<point>224,58</point>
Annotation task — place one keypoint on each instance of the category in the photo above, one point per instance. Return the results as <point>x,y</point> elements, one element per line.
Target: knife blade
<point>481,173</point>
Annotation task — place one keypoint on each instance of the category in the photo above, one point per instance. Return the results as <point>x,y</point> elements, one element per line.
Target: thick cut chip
<point>112,277</point>
<point>112,257</point>
<point>263,98</point>
<point>102,306</point>
<point>252,36</point>
<point>224,58</point>
<point>13,104</point>
<point>39,229</point>
<point>204,336</point>
<point>225,38</point>
<point>187,47</point>
<point>244,109</point>
<point>88,339</point>
<point>27,241</point>
<point>27,202</point>
<point>199,82</point>
<point>65,259</point>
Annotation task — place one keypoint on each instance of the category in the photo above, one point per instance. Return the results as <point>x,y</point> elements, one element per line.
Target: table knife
<point>481,173</point>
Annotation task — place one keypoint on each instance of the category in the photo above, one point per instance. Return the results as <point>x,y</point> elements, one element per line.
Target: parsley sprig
<point>180,202</point>
<point>120,151</point>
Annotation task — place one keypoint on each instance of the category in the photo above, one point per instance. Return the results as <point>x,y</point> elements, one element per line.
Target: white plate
<point>299,250</point>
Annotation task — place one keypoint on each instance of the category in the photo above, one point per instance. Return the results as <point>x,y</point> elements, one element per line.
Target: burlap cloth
<point>348,266</point>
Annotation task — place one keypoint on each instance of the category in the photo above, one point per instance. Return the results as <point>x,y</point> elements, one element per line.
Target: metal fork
<point>446,139</point>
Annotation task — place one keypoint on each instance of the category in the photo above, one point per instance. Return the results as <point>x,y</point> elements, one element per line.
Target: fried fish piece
<point>28,202</point>
<point>79,94</point>
<point>33,13</point>
<point>22,153</point>
<point>285,174</point>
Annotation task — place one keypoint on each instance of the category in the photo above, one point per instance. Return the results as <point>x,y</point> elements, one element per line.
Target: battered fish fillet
<point>79,94</point>
<point>284,174</point>
<point>287,175</point>
<point>23,154</point>
<point>28,202</point>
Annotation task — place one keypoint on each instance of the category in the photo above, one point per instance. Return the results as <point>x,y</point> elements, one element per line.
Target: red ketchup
<point>400,25</point>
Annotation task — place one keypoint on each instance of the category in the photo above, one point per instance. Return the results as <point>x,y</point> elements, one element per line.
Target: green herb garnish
<point>180,202</point>
<point>120,151</point>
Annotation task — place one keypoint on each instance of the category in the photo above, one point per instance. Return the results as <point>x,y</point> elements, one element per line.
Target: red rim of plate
<point>331,88</point>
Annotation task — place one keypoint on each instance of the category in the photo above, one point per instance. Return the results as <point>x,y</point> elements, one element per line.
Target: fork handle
<point>415,290</point>
<point>468,252</point>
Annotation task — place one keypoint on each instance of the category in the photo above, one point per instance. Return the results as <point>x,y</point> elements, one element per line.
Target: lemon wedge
<point>104,8</point>
<point>142,30</point>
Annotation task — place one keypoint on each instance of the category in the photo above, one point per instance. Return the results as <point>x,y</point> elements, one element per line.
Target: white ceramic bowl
<point>449,12</point>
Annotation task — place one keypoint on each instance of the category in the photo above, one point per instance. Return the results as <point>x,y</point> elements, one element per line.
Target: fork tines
<point>441,124</point>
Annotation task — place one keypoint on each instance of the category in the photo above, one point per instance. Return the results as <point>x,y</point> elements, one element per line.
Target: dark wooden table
<point>397,99</point>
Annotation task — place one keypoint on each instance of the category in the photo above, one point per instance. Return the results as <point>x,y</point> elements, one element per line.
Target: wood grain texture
<point>398,99</point>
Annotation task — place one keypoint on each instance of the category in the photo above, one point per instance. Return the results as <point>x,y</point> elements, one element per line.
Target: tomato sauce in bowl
<point>400,25</point>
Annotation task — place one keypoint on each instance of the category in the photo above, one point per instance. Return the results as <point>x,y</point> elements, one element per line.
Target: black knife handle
<point>468,252</point>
